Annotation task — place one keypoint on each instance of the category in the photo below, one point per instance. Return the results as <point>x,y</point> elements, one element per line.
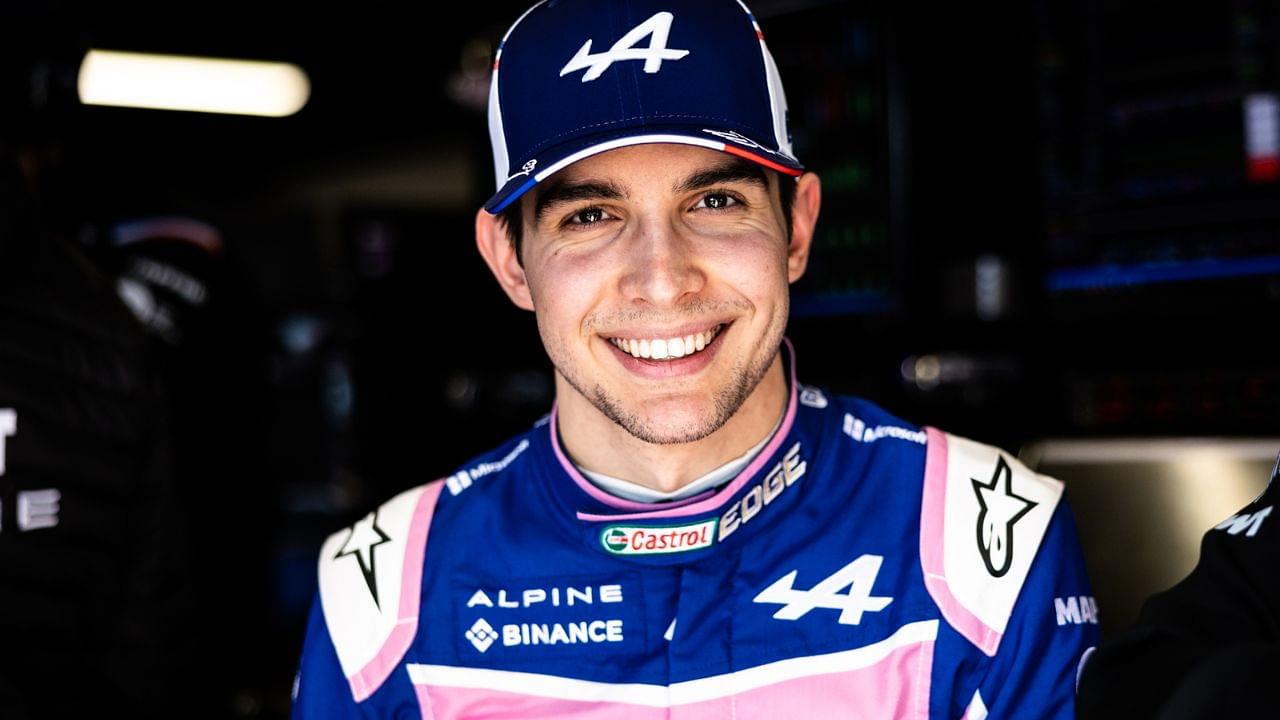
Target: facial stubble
<point>744,378</point>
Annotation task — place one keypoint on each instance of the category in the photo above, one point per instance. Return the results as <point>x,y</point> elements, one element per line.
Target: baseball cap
<point>573,78</point>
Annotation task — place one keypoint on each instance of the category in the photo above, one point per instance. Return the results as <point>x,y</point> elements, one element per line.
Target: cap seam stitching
<point>551,140</point>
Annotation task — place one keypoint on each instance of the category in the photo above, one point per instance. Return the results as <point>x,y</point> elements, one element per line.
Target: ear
<point>500,255</point>
<point>804,216</point>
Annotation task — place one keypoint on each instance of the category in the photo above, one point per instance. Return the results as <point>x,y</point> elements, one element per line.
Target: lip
<point>662,369</point>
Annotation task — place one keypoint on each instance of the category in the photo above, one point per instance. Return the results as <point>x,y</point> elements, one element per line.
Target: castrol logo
<point>655,540</point>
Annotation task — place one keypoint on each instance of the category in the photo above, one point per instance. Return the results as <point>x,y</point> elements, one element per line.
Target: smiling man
<point>658,274</point>
<point>690,532</point>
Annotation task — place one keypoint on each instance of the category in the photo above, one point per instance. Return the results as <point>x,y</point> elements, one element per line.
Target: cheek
<point>565,291</point>
<point>755,267</point>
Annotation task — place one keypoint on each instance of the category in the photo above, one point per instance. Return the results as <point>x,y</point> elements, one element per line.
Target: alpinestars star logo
<point>365,536</point>
<point>657,28</point>
<point>1001,509</point>
<point>481,634</point>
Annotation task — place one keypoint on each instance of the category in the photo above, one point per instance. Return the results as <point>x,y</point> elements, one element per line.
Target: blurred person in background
<point>92,570</point>
<point>1208,647</point>
<point>205,340</point>
<point>690,529</point>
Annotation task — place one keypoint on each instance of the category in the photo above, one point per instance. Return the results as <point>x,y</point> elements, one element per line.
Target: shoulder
<point>370,581</point>
<point>984,517</point>
<point>1249,521</point>
<point>489,467</point>
<point>370,573</point>
<point>860,419</point>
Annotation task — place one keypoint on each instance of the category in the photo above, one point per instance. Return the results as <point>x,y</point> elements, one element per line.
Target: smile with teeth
<point>667,348</point>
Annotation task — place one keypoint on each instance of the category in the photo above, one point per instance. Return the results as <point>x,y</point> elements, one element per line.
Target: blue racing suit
<point>859,566</point>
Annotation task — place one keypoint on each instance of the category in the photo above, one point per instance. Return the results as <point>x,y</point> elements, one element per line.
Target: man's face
<point>659,276</point>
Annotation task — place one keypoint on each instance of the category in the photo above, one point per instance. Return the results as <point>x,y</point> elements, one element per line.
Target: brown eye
<point>716,201</point>
<point>587,217</point>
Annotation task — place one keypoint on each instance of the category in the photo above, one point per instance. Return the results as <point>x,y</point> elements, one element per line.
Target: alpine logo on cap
<point>657,28</point>
<point>736,137</point>
<point>638,540</point>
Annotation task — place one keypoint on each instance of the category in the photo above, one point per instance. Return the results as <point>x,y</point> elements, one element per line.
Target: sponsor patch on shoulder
<point>651,540</point>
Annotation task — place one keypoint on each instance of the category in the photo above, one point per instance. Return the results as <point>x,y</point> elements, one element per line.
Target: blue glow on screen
<point>1112,276</point>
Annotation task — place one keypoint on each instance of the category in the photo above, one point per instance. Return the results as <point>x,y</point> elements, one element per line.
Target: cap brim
<point>556,158</point>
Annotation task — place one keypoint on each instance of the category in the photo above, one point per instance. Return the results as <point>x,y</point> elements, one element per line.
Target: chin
<point>671,422</point>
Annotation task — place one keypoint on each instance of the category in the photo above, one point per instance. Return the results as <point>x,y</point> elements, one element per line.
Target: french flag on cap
<point>573,78</point>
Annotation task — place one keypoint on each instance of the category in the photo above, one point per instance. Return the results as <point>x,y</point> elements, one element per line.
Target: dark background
<point>1040,220</point>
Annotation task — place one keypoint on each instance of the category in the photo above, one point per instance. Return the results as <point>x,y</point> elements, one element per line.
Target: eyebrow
<point>736,170</point>
<point>558,193</point>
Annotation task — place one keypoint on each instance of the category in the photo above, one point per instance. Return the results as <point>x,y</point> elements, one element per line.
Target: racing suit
<point>858,567</point>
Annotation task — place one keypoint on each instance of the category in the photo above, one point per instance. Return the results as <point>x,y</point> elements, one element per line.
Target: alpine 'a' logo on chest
<point>1001,509</point>
<point>847,590</point>
<point>657,28</point>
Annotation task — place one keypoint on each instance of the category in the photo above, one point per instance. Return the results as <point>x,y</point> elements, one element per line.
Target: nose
<point>661,266</point>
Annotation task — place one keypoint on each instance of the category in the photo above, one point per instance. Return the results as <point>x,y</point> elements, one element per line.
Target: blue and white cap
<point>573,78</point>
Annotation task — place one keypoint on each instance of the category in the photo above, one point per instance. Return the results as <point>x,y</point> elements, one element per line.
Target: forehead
<point>650,165</point>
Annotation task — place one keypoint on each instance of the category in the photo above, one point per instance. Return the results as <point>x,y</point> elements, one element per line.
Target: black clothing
<point>1197,646</point>
<point>90,556</point>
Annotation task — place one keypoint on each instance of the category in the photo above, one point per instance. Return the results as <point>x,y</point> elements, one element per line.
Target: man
<point>1209,647</point>
<point>690,532</point>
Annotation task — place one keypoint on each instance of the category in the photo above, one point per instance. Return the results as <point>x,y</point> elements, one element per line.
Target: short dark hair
<point>513,216</point>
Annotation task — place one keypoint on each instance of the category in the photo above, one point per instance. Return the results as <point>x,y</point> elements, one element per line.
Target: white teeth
<point>667,348</point>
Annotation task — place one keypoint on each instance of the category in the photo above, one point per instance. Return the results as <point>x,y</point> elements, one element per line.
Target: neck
<point>598,444</point>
